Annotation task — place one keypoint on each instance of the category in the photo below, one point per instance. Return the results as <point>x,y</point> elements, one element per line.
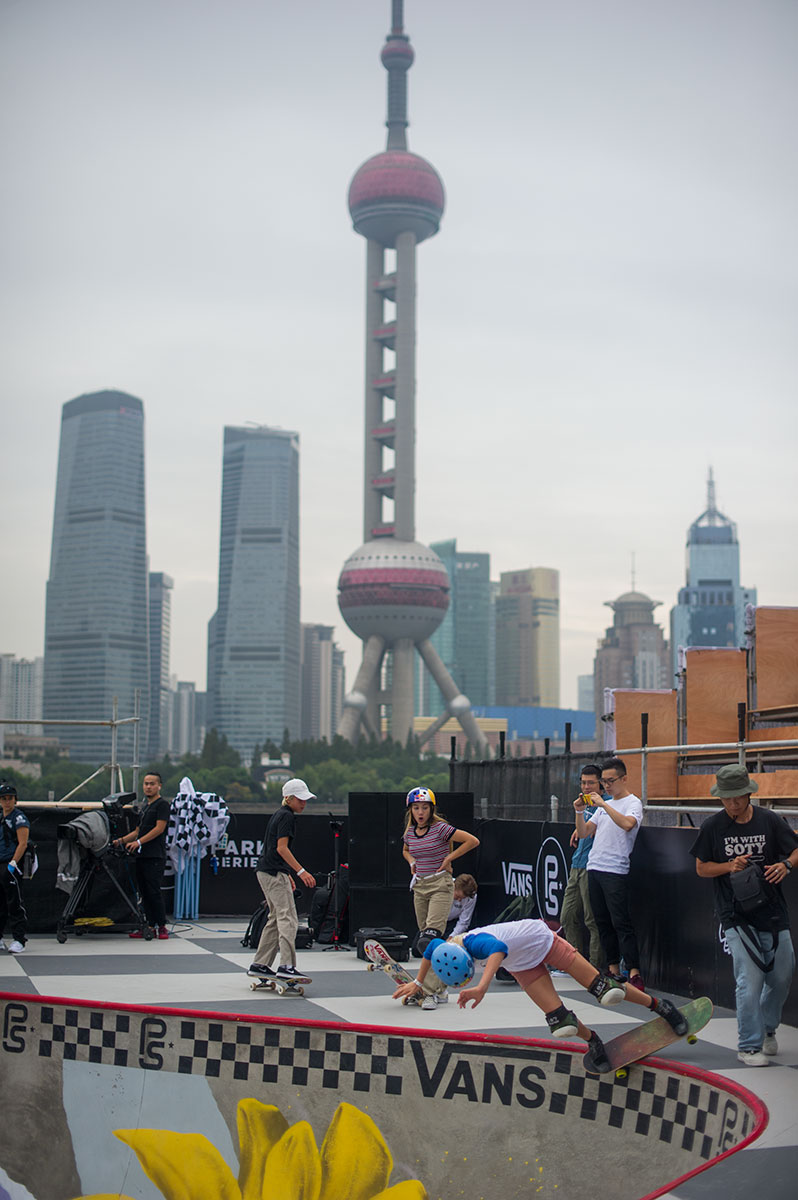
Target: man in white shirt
<point>613,827</point>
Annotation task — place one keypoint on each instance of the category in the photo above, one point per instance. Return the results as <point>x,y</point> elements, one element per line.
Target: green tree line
<point>330,769</point>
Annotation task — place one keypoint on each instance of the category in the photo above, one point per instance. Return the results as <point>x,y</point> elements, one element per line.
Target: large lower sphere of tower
<point>396,192</point>
<point>393,590</point>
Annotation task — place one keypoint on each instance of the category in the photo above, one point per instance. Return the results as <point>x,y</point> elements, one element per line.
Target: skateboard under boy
<point>273,983</point>
<point>650,1037</point>
<point>380,960</point>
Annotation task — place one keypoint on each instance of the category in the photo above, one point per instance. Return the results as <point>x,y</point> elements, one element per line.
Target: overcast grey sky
<point>609,308</point>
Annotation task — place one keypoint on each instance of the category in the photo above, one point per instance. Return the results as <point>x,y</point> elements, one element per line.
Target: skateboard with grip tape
<point>648,1038</point>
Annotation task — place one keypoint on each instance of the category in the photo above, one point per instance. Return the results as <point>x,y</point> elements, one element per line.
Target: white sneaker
<point>428,1003</point>
<point>770,1046</point>
<point>16,947</point>
<point>753,1058</point>
<point>441,997</point>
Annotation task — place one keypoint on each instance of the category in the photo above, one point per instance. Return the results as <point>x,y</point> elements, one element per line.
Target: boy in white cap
<point>274,871</point>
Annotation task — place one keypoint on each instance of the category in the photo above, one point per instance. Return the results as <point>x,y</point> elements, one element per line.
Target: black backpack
<point>255,927</point>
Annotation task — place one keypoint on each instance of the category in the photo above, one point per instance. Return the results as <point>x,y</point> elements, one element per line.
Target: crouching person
<point>524,948</point>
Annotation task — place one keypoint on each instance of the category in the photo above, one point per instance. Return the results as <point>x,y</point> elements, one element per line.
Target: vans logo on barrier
<point>551,876</point>
<point>446,1075</point>
<point>517,878</point>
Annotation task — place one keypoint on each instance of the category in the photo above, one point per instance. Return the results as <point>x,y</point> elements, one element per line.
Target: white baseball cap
<point>298,788</point>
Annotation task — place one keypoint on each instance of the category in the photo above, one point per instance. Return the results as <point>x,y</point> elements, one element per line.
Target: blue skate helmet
<point>420,795</point>
<point>452,964</point>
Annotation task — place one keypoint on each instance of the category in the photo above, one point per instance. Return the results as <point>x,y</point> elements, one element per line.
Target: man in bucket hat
<point>756,927</point>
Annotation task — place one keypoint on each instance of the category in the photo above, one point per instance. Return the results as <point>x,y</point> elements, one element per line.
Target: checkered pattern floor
<point>203,966</point>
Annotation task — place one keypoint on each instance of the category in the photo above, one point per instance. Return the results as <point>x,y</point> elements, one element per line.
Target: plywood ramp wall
<point>715,683</point>
<point>773,785</point>
<point>662,728</point>
<point>776,657</point>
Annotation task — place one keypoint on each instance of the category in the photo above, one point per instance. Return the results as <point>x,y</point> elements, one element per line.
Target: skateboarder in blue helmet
<point>526,949</point>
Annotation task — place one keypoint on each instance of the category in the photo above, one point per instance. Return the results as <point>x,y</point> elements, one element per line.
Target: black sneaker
<point>289,973</point>
<point>676,1019</point>
<point>259,969</point>
<point>596,1061</point>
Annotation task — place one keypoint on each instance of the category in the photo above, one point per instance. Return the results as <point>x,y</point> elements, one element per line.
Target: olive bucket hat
<point>733,780</point>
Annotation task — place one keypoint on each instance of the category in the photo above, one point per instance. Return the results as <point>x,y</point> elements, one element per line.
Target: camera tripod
<point>336,944</point>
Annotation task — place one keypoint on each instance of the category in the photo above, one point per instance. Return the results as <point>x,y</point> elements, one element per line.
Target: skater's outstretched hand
<point>474,994</point>
<point>406,989</point>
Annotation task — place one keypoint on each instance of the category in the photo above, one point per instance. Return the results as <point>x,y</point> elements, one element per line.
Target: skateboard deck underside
<point>656,1034</point>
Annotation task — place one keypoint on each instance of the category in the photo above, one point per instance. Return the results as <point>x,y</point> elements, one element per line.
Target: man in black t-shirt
<point>758,938</point>
<point>277,884</point>
<point>148,843</point>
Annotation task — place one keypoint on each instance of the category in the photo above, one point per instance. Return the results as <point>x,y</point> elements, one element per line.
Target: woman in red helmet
<point>429,845</point>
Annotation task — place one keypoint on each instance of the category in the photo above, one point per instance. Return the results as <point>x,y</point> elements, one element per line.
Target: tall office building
<point>393,592</point>
<point>711,606</point>
<point>21,681</point>
<point>634,652</point>
<point>187,721</point>
<point>96,627</point>
<point>463,639</point>
<point>253,637</point>
<point>322,682</point>
<point>160,639</point>
<point>528,638</point>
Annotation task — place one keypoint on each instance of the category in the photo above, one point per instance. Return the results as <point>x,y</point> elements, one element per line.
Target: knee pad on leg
<point>425,937</point>
<point>607,990</point>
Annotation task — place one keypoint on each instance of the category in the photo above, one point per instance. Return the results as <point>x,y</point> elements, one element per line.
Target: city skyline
<point>609,313</point>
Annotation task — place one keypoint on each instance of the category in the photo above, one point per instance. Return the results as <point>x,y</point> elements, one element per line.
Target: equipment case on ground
<point>397,944</point>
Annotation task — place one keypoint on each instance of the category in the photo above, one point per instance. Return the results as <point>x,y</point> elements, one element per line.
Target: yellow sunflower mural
<point>275,1159</point>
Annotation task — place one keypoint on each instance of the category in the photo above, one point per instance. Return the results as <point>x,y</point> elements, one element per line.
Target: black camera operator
<point>14,829</point>
<point>148,843</point>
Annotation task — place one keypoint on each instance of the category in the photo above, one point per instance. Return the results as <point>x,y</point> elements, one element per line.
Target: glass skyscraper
<point>160,640</point>
<point>253,637</point>
<point>463,637</point>
<point>96,625</point>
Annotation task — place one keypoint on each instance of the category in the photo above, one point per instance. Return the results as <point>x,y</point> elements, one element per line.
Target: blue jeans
<point>760,994</point>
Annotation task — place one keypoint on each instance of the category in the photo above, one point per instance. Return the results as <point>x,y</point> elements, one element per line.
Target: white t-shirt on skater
<point>612,845</point>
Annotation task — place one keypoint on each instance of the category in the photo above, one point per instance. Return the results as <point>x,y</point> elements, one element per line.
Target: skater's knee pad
<point>425,937</point>
<point>607,990</point>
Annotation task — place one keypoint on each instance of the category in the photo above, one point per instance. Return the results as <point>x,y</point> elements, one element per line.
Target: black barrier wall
<point>521,868</point>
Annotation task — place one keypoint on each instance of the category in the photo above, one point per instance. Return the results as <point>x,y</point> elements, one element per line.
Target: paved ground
<point>202,967</point>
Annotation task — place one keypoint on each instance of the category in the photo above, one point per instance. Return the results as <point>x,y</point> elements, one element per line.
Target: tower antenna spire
<point>711,504</point>
<point>397,58</point>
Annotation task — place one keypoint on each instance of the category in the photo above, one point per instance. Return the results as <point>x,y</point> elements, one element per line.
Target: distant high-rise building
<point>322,682</point>
<point>711,606</point>
<point>21,681</point>
<point>253,637</point>
<point>187,722</point>
<point>160,638</point>
<point>528,638</point>
<point>463,639</point>
<point>634,652</point>
<point>96,642</point>
<point>586,700</point>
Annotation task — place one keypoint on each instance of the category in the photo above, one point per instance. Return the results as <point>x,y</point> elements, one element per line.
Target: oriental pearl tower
<point>393,592</point>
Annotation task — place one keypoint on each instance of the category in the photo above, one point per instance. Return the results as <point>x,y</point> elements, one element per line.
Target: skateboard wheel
<point>301,991</point>
<point>621,1073</point>
<point>691,1039</point>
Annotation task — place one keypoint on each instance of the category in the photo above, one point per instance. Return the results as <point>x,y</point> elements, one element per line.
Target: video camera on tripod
<point>92,835</point>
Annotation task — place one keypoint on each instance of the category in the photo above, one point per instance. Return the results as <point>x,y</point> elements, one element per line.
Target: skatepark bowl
<point>119,1100</point>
